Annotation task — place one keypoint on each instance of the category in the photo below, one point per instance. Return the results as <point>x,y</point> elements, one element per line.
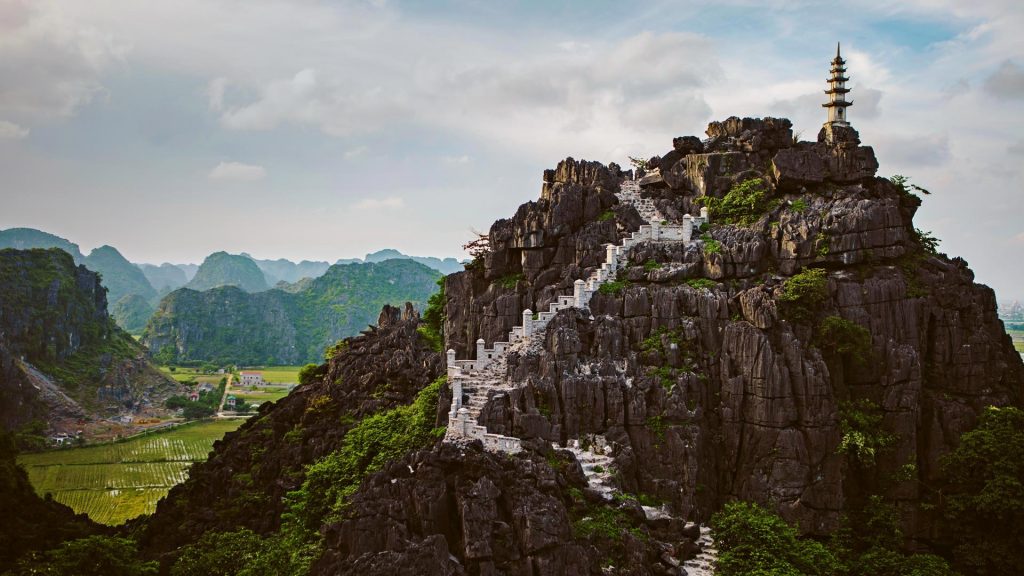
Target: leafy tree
<point>803,292</point>
<point>434,317</point>
<point>845,338</point>
<point>91,556</point>
<point>311,373</point>
<point>240,553</point>
<point>753,540</point>
<point>743,204</point>
<point>984,505</point>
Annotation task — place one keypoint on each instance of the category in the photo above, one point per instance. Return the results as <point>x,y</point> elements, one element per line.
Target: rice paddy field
<point>115,482</point>
<point>281,374</point>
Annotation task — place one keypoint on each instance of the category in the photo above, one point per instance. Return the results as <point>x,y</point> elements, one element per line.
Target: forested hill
<point>227,324</point>
<point>62,358</point>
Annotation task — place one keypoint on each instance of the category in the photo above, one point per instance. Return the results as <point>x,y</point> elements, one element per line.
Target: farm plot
<point>113,483</point>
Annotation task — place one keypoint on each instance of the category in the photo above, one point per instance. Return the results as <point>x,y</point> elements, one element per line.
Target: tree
<point>984,503</point>
<point>91,556</point>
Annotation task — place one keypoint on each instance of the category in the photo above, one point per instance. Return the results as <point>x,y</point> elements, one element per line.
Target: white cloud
<point>456,160</point>
<point>50,63</point>
<point>391,203</point>
<point>11,131</point>
<point>237,172</point>
<point>215,93</point>
<point>355,153</point>
<point>1007,81</point>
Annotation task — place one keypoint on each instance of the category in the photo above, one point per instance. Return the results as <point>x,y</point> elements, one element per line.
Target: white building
<point>252,378</point>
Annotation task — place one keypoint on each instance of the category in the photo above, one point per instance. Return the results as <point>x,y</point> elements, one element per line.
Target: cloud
<point>11,131</point>
<point>456,160</point>
<point>1017,148</point>
<point>215,93</point>
<point>913,150</point>
<point>237,172</point>
<point>391,203</point>
<point>1006,82</point>
<point>50,64</point>
<point>306,99</point>
<point>355,153</point>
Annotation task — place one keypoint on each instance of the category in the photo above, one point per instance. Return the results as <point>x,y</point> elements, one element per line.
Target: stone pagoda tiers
<point>837,91</point>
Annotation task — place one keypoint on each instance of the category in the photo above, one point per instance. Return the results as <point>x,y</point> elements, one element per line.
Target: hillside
<point>62,359</point>
<point>444,266</point>
<point>132,312</point>
<point>807,349</point>
<point>165,277</point>
<point>223,269</point>
<point>26,238</point>
<point>119,276</point>
<point>276,326</point>
<point>282,270</point>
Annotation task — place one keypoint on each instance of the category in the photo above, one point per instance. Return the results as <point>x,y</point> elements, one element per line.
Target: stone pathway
<point>598,464</point>
<point>703,564</point>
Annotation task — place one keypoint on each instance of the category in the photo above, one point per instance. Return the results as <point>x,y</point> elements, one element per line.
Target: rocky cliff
<point>62,359</point>
<point>808,349</point>
<point>707,367</point>
<point>290,326</point>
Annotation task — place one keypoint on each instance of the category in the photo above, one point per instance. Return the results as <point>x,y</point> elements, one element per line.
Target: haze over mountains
<point>135,289</point>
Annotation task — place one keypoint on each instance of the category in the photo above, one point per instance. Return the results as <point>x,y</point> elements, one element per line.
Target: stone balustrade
<point>462,374</point>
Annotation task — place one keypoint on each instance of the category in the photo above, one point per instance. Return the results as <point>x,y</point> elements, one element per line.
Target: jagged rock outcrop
<point>62,359</point>
<point>248,473</point>
<point>696,369</point>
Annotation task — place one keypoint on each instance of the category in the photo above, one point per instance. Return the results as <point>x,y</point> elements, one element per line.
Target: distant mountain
<point>282,270</point>
<point>120,276</point>
<point>189,270</point>
<point>62,359</point>
<point>132,312</point>
<point>223,269</point>
<point>165,277</point>
<point>445,266</point>
<point>228,325</point>
<point>26,238</point>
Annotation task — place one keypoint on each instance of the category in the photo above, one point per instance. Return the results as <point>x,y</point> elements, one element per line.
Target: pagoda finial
<point>837,91</point>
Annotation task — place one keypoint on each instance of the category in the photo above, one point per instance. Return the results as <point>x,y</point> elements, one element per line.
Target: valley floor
<point>115,482</point>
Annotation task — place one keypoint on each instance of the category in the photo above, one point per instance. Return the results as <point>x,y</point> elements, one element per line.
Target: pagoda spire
<point>837,91</point>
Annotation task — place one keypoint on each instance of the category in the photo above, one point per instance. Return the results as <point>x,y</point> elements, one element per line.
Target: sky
<point>327,129</point>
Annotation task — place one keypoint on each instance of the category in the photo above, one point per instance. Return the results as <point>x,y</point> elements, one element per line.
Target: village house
<point>251,378</point>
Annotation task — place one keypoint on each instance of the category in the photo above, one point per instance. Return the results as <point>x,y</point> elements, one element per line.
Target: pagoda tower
<point>837,92</point>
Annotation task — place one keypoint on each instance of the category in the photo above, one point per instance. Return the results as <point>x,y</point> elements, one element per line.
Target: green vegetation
<point>605,522</point>
<point>651,265</point>
<point>744,204</point>
<point>985,499</point>
<point>711,246</point>
<point>90,556</point>
<point>434,318</point>
<point>755,541</point>
<point>206,405</point>
<point>799,205</point>
<point>702,283</point>
<point>613,288</point>
<point>243,553</point>
<point>928,242</point>
<point>509,281</point>
<point>119,481</point>
<point>845,338</point>
<point>227,325</point>
<point>657,425</point>
<point>606,216</point>
<point>803,292</point>
<point>121,278</point>
<point>822,241</point>
<point>367,447</point>
<point>908,189</point>
<point>752,540</point>
<point>223,269</point>
<point>863,437</point>
<point>131,313</point>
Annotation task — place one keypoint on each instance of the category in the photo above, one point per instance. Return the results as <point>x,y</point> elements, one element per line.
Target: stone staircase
<point>476,382</point>
<point>703,564</point>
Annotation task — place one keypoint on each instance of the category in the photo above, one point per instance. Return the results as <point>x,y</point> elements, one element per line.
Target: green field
<point>281,374</point>
<point>115,482</point>
<point>182,374</point>
<point>261,394</point>
<point>1018,339</point>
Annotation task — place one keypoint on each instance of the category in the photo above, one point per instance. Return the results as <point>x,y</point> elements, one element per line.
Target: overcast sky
<point>321,130</point>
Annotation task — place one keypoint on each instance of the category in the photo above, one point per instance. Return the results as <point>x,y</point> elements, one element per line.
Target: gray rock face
<point>696,372</point>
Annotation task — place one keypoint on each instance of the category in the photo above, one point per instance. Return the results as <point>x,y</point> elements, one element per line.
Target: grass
<point>190,375</point>
<point>281,374</point>
<point>115,482</point>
